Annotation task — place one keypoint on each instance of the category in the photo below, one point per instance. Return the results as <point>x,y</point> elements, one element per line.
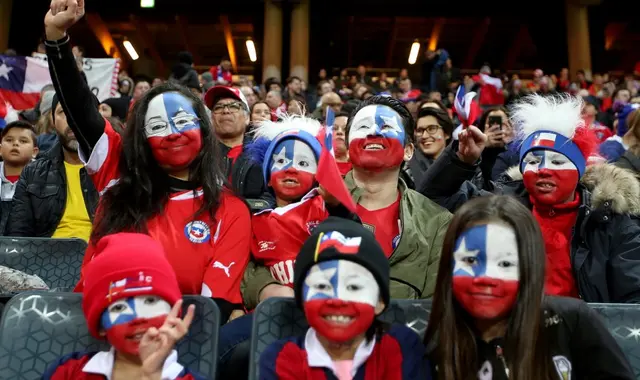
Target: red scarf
<point>556,223</point>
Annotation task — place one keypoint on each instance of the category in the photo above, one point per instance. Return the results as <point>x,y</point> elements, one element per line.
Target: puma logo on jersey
<point>226,269</point>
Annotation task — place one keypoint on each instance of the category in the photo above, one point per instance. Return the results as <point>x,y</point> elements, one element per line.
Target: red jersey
<point>344,167</point>
<point>208,256</point>
<point>278,234</point>
<point>384,223</point>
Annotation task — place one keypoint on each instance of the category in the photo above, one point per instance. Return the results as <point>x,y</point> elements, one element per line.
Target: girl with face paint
<point>134,302</point>
<point>490,318</point>
<point>163,176</point>
<point>342,283</point>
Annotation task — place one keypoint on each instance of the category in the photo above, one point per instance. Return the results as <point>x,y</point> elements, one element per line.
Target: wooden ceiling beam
<point>102,33</point>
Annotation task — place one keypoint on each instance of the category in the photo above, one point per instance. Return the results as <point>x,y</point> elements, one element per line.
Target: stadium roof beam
<point>228,37</point>
<point>102,33</point>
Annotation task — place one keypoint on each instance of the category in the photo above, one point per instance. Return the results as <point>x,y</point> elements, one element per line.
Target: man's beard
<point>69,144</point>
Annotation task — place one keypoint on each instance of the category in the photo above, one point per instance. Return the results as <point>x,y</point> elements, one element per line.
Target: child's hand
<point>156,344</point>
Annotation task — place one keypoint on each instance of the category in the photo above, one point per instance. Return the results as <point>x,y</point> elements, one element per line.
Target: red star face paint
<point>376,138</point>
<point>486,274</point>
<point>293,169</point>
<point>340,298</point>
<point>549,177</point>
<point>173,130</point>
<point>126,320</point>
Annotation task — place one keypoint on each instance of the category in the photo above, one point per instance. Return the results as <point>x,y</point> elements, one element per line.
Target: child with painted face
<point>490,319</point>
<point>342,283</point>
<point>134,302</point>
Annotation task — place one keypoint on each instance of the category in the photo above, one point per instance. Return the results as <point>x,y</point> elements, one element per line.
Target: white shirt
<point>102,364</point>
<point>317,356</point>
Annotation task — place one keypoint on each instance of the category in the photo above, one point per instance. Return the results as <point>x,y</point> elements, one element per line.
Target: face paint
<point>339,299</point>
<point>550,177</point>
<point>126,320</point>
<point>486,275</point>
<point>293,169</point>
<point>376,138</point>
<point>173,130</point>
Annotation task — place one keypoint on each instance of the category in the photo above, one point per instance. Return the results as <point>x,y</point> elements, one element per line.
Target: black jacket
<point>580,346</point>
<point>605,249</point>
<point>630,160</point>
<point>41,196</point>
<point>245,176</point>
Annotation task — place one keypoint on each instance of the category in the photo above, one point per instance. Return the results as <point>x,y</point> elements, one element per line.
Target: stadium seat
<point>623,321</point>
<point>39,327</point>
<point>277,318</point>
<point>56,261</point>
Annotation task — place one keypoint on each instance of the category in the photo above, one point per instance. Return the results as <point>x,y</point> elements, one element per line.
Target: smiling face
<point>341,299</point>
<point>486,274</point>
<point>376,138</point>
<point>430,136</point>
<point>293,169</point>
<point>549,177</point>
<point>126,320</point>
<point>173,131</point>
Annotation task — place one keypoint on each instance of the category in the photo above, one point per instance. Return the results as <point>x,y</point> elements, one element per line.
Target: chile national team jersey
<point>208,256</point>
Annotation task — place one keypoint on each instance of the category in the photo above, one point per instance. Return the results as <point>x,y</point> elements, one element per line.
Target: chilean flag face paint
<point>376,138</point>
<point>126,320</point>
<point>173,130</point>
<point>486,273</point>
<point>340,299</point>
<point>293,169</point>
<point>550,177</point>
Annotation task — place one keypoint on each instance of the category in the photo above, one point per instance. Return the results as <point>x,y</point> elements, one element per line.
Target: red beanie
<point>126,265</point>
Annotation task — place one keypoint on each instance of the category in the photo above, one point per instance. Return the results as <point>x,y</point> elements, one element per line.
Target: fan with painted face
<point>293,168</point>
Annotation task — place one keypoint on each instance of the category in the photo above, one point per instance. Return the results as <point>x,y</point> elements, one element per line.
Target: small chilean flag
<point>545,139</point>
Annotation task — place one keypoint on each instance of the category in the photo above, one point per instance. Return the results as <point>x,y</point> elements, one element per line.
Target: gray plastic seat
<point>623,321</point>
<point>37,328</point>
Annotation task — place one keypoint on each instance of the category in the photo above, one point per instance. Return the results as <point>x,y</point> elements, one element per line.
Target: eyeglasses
<point>234,107</point>
<point>430,129</point>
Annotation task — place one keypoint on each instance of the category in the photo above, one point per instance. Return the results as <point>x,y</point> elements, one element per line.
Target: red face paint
<point>485,297</point>
<point>125,337</point>
<point>390,156</point>
<point>177,150</point>
<point>551,187</point>
<point>337,320</point>
<point>291,184</point>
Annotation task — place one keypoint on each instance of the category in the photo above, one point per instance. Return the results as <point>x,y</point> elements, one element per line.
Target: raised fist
<point>62,15</point>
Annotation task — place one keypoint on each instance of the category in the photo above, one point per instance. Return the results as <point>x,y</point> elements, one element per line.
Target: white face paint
<point>170,113</point>
<point>378,120</point>
<point>547,159</point>
<point>295,154</point>
<point>127,309</point>
<point>341,279</point>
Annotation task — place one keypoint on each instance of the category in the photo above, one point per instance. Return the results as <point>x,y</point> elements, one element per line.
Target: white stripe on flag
<point>36,76</point>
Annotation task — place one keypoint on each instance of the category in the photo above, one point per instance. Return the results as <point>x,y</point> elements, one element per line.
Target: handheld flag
<point>465,107</point>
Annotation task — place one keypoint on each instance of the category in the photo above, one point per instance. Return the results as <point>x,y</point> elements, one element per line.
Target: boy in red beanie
<point>129,289</point>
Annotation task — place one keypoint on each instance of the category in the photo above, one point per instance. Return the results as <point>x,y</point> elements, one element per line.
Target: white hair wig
<point>560,114</point>
<point>269,129</point>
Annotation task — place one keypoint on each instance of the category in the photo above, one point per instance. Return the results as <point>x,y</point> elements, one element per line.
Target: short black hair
<point>292,78</point>
<point>396,105</point>
<point>22,125</point>
<point>444,121</point>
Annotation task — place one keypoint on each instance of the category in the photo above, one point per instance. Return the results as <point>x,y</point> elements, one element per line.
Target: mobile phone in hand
<point>495,120</point>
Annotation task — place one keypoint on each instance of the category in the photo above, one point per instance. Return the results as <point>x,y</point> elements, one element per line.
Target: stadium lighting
<point>147,3</point>
<point>251,49</point>
<point>131,50</point>
<point>413,54</point>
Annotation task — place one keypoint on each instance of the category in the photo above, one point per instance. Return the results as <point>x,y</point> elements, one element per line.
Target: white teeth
<point>339,319</point>
<point>373,147</point>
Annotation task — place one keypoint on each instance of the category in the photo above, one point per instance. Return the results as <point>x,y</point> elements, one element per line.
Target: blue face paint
<point>377,120</point>
<point>170,113</point>
<point>122,311</point>
<point>293,153</point>
<point>489,250</point>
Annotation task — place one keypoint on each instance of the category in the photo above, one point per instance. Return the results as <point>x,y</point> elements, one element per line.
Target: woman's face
<point>105,110</point>
<point>486,272</point>
<point>505,125</point>
<point>260,112</point>
<point>430,136</point>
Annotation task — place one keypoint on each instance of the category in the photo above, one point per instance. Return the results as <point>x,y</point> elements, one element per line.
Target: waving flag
<point>465,107</point>
<point>328,175</point>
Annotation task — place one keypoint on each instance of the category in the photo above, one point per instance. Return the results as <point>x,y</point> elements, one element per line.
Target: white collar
<point>102,364</point>
<point>317,356</point>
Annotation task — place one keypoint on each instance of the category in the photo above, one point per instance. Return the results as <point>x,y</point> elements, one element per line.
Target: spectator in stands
<point>294,88</point>
<point>587,213</point>
<point>628,120</point>
<point>345,340</point>
<point>272,84</point>
<point>340,147</point>
<point>630,159</point>
<point>296,106</point>
<point>45,130</point>
<point>362,76</point>
<point>163,177</point>
<point>494,246</point>
<point>184,73</point>
<point>139,317</point>
<point>250,94</point>
<point>126,87</point>
<point>260,112</point>
<point>222,73</point>
<point>142,87</point>
<point>230,115</point>
<point>330,99</point>
<point>581,78</point>
<point>276,104</point>
<point>55,196</point>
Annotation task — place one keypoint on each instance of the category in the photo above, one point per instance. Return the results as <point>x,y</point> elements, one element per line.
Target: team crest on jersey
<point>563,367</point>
<point>312,225</point>
<point>266,245</point>
<point>197,231</point>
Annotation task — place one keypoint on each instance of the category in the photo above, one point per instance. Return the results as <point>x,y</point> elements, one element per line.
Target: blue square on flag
<point>13,72</point>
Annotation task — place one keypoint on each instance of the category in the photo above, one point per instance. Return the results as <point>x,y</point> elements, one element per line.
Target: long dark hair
<point>144,187</point>
<point>450,333</point>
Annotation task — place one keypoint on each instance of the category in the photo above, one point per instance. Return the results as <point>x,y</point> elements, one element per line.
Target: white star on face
<point>280,160</point>
<point>392,122</point>
<point>461,253</point>
<point>4,71</point>
<point>113,315</point>
<point>318,276</point>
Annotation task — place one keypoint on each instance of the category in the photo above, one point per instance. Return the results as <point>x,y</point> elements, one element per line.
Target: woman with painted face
<point>586,213</point>
<point>342,284</point>
<point>162,177</point>
<point>490,319</point>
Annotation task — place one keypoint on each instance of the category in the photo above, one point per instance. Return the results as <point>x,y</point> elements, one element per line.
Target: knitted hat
<point>342,239</point>
<point>126,265</point>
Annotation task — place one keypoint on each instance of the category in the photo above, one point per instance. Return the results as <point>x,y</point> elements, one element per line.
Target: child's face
<point>17,146</point>
<point>341,299</point>
<point>126,320</point>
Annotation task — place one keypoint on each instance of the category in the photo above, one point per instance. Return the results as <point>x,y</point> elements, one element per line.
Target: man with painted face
<point>161,177</point>
<point>342,284</point>
<point>132,299</point>
<point>586,213</point>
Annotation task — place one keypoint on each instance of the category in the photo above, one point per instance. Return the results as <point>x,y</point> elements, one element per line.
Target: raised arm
<point>77,100</point>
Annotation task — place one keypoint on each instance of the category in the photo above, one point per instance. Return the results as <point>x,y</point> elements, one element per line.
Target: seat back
<point>37,328</point>
<point>623,321</point>
<point>56,261</point>
<point>278,318</point>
